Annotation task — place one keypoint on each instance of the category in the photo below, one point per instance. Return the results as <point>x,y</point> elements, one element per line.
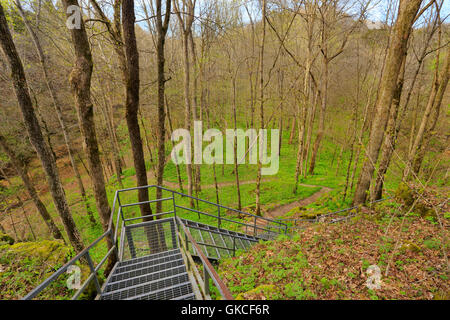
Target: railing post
<point>92,268</point>
<point>206,280</point>
<point>186,243</point>
<point>218,216</point>
<point>174,207</point>
<point>255,231</point>
<point>234,246</point>
<point>130,242</point>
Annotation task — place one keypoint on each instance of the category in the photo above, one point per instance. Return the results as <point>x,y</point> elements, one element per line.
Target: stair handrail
<point>208,269</point>
<point>280,226</point>
<point>82,255</point>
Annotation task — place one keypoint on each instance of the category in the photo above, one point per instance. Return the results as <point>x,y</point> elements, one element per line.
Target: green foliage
<point>297,291</point>
<point>26,264</point>
<point>432,243</point>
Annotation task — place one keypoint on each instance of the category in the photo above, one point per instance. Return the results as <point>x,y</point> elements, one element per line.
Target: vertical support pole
<point>92,268</point>
<point>174,207</point>
<point>186,242</point>
<point>219,222</point>
<point>206,280</point>
<point>255,232</point>
<point>114,243</point>
<point>121,214</point>
<point>234,246</point>
<point>130,242</point>
<point>173,232</point>
<point>186,249</point>
<point>122,241</point>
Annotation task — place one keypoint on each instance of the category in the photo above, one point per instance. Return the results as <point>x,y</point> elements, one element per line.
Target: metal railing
<point>259,227</point>
<point>85,257</point>
<point>208,270</point>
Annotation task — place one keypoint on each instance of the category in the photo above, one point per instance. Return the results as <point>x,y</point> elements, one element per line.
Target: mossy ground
<point>331,261</point>
<point>25,264</point>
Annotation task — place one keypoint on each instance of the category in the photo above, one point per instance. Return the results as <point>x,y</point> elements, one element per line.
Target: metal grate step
<point>147,270</point>
<point>183,289</point>
<point>149,257</point>
<point>158,276</point>
<point>147,288</point>
<point>148,263</point>
<point>112,286</point>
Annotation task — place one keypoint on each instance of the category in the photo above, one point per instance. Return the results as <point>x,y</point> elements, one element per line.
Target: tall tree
<point>398,113</point>
<point>132,101</point>
<point>80,81</point>
<point>35,133</point>
<point>114,32</point>
<point>430,117</point>
<point>261,106</point>
<point>407,13</point>
<point>186,19</point>
<point>57,105</point>
<point>162,25</point>
<point>331,13</point>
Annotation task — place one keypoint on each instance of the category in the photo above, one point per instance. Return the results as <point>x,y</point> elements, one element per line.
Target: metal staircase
<point>158,258</point>
<point>218,243</point>
<point>159,276</point>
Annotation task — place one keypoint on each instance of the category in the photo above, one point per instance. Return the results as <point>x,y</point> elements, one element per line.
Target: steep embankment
<point>338,261</point>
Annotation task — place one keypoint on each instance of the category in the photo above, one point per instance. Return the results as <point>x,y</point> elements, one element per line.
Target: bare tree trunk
<point>236,165</point>
<point>162,26</point>
<point>177,166</point>
<point>185,28</point>
<point>426,126</point>
<point>311,118</point>
<point>35,134</point>
<point>197,175</point>
<point>261,106</point>
<point>26,217</point>
<point>323,107</point>
<point>59,113</point>
<point>115,151</point>
<point>398,46</point>
<point>280,121</point>
<point>80,81</point>
<point>13,224</point>
<point>132,102</point>
<point>390,136</point>
<point>292,132</point>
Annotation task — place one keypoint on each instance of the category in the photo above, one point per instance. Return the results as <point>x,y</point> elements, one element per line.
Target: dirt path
<point>273,213</point>
<point>285,208</point>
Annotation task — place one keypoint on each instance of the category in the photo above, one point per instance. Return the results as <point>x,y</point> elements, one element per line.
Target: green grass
<point>277,190</point>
